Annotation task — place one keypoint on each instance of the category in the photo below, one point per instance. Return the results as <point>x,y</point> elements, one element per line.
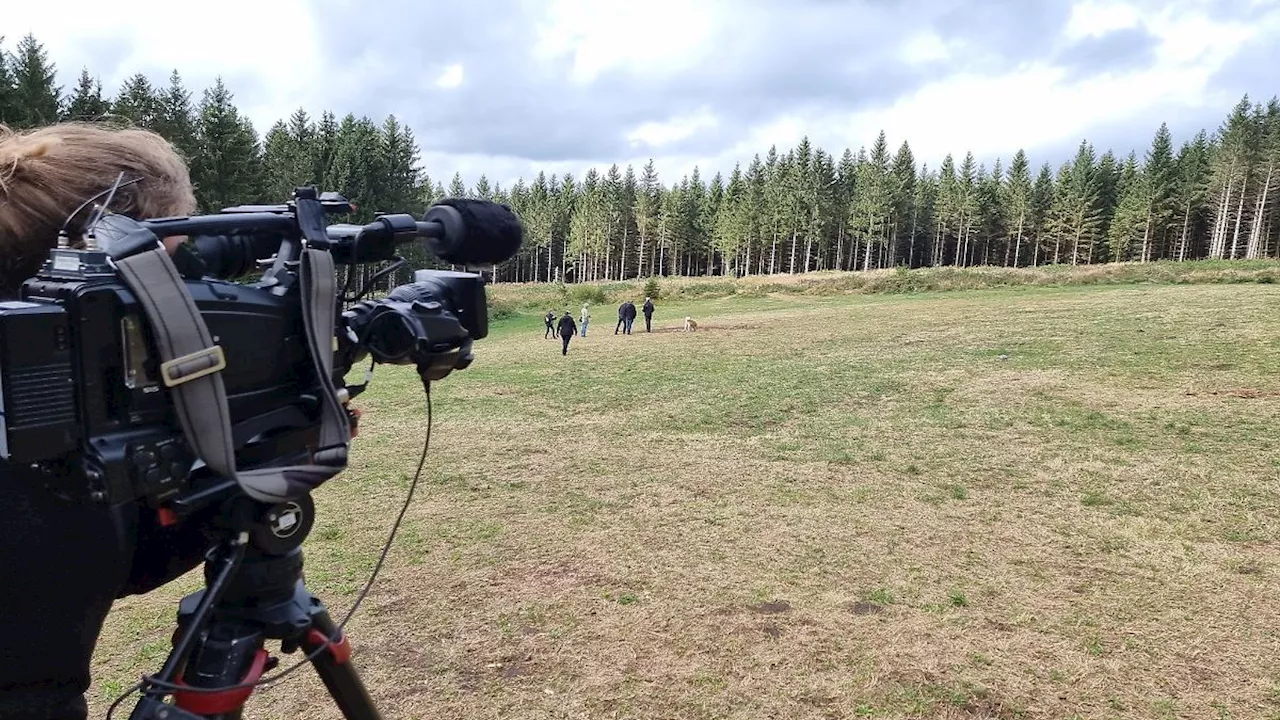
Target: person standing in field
<point>567,329</point>
<point>648,314</point>
<point>549,320</point>
<point>628,316</point>
<point>622,317</point>
<point>585,319</point>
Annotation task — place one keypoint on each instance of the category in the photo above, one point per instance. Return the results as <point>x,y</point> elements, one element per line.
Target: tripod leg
<point>335,669</point>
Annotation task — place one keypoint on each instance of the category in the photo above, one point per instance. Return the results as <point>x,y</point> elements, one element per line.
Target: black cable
<point>123,696</point>
<point>67,223</point>
<point>373,281</point>
<point>148,682</point>
<point>355,247</point>
<point>102,209</point>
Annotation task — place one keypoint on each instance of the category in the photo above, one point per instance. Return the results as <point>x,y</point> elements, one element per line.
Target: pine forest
<point>796,210</point>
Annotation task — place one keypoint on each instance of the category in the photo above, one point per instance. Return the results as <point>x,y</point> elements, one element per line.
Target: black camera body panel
<point>40,416</point>
<point>79,372</point>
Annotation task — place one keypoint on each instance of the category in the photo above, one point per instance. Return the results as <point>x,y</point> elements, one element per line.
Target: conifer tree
<point>35,98</point>
<point>226,167</point>
<point>85,104</point>
<point>647,206</point>
<point>8,99</point>
<point>175,117</point>
<point>1019,208</point>
<point>137,102</point>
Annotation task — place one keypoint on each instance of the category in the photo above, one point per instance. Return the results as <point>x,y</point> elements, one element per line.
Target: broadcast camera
<point>130,376</point>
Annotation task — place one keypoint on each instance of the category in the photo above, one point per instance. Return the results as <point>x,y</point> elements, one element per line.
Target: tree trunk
<point>1075,243</point>
<point>791,270</point>
<point>1017,244</point>
<point>622,260</point>
<point>1235,238</point>
<point>840,247</point>
<point>773,253</point>
<point>1217,245</point>
<point>1255,233</point>
<point>1186,226</point>
<point>893,242</point>
<point>1146,237</point>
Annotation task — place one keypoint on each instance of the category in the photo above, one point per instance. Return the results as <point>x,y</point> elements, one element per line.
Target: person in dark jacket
<point>626,316</point>
<point>648,314</point>
<point>550,320</point>
<point>567,329</point>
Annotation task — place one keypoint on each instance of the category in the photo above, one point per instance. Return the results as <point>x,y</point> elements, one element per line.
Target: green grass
<point>1020,502</point>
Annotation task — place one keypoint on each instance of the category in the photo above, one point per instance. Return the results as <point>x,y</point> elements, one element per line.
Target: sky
<point>511,87</point>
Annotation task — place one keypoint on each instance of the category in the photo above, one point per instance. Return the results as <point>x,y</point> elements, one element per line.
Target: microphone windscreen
<point>492,233</point>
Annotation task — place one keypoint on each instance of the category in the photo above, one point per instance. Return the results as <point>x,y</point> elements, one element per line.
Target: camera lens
<point>391,336</point>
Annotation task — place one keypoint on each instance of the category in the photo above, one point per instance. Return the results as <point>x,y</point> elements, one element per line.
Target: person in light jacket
<point>584,319</point>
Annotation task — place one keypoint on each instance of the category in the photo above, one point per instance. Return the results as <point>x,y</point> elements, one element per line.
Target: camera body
<point>83,395</point>
<point>79,376</point>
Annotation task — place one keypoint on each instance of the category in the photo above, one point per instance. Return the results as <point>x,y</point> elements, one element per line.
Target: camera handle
<point>254,592</point>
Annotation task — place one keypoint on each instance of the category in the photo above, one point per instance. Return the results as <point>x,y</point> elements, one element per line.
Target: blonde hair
<point>46,173</point>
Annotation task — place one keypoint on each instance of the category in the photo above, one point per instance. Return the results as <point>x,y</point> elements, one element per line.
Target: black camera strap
<point>192,362</point>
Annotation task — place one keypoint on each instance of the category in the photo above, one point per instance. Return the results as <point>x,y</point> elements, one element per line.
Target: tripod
<point>254,592</point>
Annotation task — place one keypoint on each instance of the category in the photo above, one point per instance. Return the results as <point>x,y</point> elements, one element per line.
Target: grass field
<point>1029,502</point>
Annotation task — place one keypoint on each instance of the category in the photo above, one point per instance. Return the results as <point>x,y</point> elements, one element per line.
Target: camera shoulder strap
<point>192,362</point>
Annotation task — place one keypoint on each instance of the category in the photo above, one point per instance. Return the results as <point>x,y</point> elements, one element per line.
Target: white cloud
<point>658,134</point>
<point>653,37</point>
<point>451,77</point>
<point>1093,18</point>
<point>924,47</point>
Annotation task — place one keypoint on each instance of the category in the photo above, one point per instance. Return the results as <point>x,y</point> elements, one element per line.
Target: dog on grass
<point>690,324</point>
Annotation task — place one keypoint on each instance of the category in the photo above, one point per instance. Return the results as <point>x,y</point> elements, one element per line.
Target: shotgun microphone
<point>473,232</point>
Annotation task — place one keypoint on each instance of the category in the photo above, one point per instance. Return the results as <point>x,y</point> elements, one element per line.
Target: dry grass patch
<point>854,508</point>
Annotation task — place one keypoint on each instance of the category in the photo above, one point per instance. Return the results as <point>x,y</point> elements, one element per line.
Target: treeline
<point>793,211</point>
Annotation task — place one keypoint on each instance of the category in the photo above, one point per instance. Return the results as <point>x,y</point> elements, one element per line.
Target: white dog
<point>690,324</point>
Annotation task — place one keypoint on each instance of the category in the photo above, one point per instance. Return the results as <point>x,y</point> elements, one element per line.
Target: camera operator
<point>63,561</point>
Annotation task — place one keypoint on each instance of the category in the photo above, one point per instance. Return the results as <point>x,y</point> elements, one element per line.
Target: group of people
<point>567,328</point>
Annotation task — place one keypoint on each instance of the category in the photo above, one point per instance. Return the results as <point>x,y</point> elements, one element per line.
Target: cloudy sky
<point>508,87</point>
